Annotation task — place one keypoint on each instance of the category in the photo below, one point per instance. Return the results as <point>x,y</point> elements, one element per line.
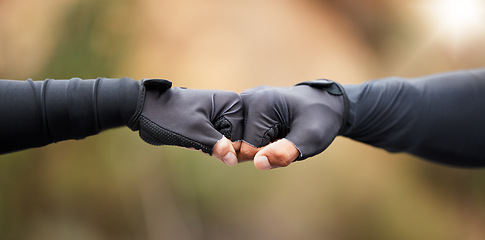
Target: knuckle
<point>258,95</point>
<point>260,102</point>
<point>229,96</point>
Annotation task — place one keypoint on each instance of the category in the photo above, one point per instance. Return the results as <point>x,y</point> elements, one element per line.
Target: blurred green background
<point>114,186</point>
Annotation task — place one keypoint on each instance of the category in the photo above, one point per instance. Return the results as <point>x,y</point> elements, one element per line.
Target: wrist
<point>335,89</point>
<point>158,84</point>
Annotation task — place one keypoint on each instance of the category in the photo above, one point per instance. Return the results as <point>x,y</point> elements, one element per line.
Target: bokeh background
<point>114,186</point>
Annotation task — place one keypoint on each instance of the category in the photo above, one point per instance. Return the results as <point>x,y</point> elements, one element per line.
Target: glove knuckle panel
<point>260,98</point>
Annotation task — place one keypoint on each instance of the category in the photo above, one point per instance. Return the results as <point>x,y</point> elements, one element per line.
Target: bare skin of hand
<point>225,150</point>
<point>276,154</point>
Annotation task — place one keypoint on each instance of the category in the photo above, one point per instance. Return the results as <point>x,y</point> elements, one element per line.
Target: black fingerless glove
<point>186,117</point>
<point>310,115</point>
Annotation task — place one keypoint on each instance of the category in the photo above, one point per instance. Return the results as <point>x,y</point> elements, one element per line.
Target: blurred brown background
<point>114,186</point>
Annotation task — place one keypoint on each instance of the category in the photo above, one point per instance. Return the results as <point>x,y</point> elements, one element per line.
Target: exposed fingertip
<point>230,159</point>
<point>262,163</point>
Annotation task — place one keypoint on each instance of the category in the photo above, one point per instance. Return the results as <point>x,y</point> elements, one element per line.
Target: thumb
<point>277,154</point>
<point>224,150</point>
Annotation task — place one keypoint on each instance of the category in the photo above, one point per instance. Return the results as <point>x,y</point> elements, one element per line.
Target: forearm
<point>36,113</point>
<point>439,117</point>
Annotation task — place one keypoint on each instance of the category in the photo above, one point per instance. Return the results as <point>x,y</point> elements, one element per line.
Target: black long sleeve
<point>36,113</point>
<point>439,117</point>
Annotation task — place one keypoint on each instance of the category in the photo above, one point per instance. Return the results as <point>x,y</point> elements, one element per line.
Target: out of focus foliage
<point>114,186</point>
